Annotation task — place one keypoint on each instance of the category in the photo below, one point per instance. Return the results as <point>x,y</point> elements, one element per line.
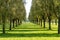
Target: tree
<point>12,10</point>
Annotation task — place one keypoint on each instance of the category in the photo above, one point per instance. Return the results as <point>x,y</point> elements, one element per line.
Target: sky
<point>28,7</point>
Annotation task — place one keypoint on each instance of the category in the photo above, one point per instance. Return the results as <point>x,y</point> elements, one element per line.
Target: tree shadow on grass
<point>27,30</point>
<point>29,35</point>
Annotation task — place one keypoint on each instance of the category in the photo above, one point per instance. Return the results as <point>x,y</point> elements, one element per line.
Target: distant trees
<point>39,11</point>
<point>13,11</point>
<point>45,10</point>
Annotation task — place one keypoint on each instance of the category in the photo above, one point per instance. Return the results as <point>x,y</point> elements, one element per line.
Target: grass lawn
<point>30,31</point>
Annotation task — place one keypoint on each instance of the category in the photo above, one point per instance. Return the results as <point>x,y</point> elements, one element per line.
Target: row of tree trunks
<point>44,23</point>
<point>12,22</point>
<point>18,22</point>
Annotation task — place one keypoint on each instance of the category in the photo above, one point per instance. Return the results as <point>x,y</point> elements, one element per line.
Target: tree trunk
<point>10,25</point>
<point>0,21</point>
<point>38,21</point>
<point>19,22</point>
<point>3,21</point>
<point>41,22</point>
<point>44,23</point>
<point>16,23</point>
<point>59,25</point>
<point>13,23</point>
<point>49,24</point>
<point>3,26</point>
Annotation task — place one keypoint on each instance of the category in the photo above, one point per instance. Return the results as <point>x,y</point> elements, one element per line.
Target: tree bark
<point>41,22</point>
<point>13,23</point>
<point>44,23</point>
<point>59,25</point>
<point>16,23</point>
<point>10,25</point>
<point>38,21</point>
<point>49,24</point>
<point>3,26</point>
<point>3,21</point>
<point>19,22</point>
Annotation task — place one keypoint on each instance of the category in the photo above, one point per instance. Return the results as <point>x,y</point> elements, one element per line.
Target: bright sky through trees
<point>28,7</point>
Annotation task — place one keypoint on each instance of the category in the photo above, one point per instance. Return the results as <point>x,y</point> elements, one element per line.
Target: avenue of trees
<point>45,10</point>
<point>12,12</point>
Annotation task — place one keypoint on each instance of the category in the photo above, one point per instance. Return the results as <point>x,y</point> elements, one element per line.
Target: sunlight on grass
<point>30,31</point>
<point>29,25</point>
<point>32,38</point>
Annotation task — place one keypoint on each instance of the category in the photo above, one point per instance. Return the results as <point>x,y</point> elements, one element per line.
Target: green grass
<point>31,38</point>
<point>30,31</point>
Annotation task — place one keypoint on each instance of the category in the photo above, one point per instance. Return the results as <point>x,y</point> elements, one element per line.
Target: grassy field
<point>30,31</point>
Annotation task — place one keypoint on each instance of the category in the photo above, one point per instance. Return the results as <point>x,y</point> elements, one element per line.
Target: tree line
<point>11,11</point>
<point>45,10</point>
